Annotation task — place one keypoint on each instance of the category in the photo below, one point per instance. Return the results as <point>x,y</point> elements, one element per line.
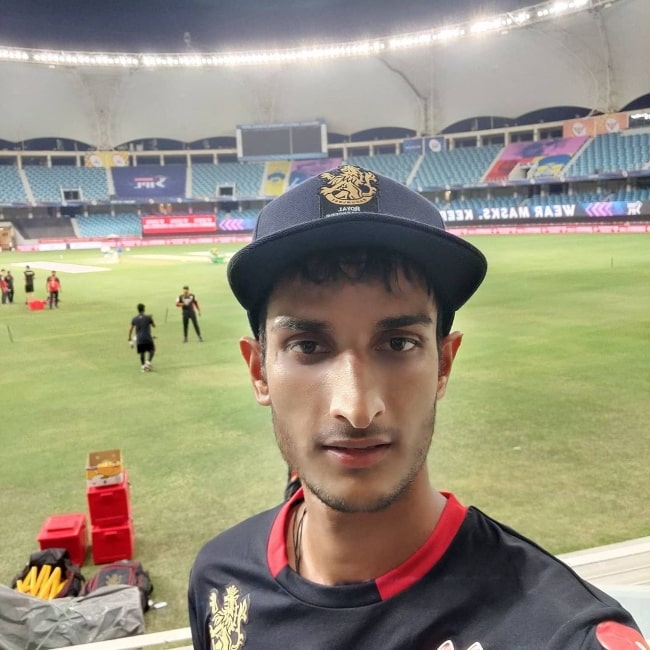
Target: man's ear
<point>448,350</point>
<point>250,350</point>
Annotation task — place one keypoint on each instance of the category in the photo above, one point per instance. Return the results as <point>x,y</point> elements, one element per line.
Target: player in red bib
<point>53,288</point>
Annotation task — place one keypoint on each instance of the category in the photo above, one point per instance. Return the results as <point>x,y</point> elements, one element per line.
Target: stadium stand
<point>48,184</point>
<point>458,167</point>
<point>245,178</point>
<point>613,152</point>
<point>12,189</point>
<point>397,166</point>
<point>43,226</point>
<point>103,225</point>
<point>608,170</point>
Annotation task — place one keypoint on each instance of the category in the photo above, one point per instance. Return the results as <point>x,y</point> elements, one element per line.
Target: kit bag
<point>125,572</point>
<point>49,574</point>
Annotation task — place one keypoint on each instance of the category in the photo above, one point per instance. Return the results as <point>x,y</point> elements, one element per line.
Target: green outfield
<point>545,424</point>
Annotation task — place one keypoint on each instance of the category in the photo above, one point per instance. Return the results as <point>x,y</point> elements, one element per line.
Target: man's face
<point>352,375</point>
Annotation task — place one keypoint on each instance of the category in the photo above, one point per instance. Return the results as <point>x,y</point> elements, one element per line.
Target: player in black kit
<point>351,284</point>
<point>145,346</point>
<point>29,283</point>
<point>188,303</point>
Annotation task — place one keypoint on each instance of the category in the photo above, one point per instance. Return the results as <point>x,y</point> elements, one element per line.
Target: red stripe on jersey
<point>399,578</point>
<point>276,550</point>
<point>614,636</point>
<point>428,554</point>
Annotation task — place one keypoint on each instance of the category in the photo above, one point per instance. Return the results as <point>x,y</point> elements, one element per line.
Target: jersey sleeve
<point>615,631</point>
<point>197,625</point>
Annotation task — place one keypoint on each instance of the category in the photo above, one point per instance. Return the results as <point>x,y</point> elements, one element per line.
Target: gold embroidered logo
<point>449,645</point>
<point>349,185</point>
<point>228,618</point>
<point>113,579</point>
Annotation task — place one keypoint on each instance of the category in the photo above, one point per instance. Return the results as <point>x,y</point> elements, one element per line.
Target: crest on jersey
<point>348,189</point>
<point>228,615</point>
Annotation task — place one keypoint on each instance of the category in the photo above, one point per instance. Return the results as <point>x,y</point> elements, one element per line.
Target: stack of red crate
<point>110,511</point>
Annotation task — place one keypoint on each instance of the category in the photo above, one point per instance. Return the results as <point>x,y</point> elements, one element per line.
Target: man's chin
<point>355,501</point>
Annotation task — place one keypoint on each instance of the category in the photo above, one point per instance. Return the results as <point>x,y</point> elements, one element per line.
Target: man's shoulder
<point>536,571</point>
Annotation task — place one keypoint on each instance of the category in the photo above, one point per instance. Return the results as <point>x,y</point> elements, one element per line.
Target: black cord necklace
<point>298,522</point>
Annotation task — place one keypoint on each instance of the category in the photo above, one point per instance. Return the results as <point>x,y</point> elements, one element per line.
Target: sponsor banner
<point>554,210</point>
<point>149,181</point>
<point>413,145</point>
<point>521,160</point>
<point>84,245</point>
<point>580,127</point>
<point>598,125</point>
<point>434,145</point>
<point>519,229</point>
<point>612,123</point>
<point>301,170</point>
<point>53,246</point>
<point>233,225</point>
<point>276,176</point>
<point>550,229</point>
<point>178,224</point>
<point>107,159</point>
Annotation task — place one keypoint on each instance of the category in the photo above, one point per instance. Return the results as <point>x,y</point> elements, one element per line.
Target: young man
<point>9,281</point>
<point>53,288</point>
<point>351,284</point>
<point>190,306</point>
<point>145,346</point>
<point>29,283</point>
<point>4,287</point>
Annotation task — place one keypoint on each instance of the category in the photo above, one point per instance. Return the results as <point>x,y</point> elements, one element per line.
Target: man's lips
<point>356,443</point>
<point>357,454</point>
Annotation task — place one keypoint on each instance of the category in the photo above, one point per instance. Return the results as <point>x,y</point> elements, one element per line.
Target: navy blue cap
<point>351,206</point>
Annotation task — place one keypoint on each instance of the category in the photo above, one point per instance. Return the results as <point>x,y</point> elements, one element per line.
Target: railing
<point>161,640</point>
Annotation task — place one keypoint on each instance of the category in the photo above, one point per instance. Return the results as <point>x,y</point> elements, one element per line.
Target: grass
<point>544,425</point>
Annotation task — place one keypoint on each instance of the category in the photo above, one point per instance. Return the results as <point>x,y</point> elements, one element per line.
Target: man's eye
<point>401,344</point>
<point>304,347</point>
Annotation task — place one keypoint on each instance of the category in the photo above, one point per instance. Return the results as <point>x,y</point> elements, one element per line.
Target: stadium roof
<point>217,25</point>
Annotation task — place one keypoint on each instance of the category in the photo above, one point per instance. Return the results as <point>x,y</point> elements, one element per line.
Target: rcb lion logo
<point>350,185</point>
<point>228,619</point>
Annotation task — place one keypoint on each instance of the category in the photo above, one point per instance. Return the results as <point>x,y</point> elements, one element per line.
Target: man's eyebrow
<point>299,324</point>
<point>406,320</point>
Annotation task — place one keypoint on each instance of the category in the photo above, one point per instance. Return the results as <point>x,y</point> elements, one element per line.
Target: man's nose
<point>356,392</point>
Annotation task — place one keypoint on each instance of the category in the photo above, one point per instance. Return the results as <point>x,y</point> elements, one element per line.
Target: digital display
<point>282,141</point>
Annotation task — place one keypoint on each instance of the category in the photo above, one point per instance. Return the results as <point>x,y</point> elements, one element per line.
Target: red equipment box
<point>109,505</point>
<point>66,531</point>
<point>113,543</point>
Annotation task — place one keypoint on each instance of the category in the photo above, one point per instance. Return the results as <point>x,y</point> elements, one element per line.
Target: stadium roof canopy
<point>593,60</point>
<point>217,25</point>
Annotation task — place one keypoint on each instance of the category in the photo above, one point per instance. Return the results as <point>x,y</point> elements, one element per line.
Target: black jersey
<point>187,302</point>
<point>142,324</point>
<point>29,279</point>
<point>474,585</point>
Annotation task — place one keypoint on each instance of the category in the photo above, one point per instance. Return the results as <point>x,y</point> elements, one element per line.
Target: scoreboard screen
<point>282,141</point>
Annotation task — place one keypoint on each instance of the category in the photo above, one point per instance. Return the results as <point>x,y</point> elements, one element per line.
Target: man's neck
<point>344,548</point>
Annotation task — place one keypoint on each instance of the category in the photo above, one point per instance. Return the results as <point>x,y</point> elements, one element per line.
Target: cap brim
<point>454,266</point>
